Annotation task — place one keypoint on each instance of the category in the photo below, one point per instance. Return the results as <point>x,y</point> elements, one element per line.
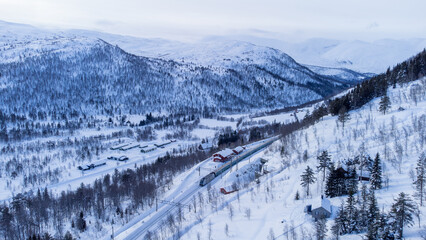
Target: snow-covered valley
<point>105,136</point>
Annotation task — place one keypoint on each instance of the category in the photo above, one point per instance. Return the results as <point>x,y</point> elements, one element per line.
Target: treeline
<point>228,137</point>
<point>15,130</point>
<point>343,180</point>
<point>410,70</point>
<point>362,215</point>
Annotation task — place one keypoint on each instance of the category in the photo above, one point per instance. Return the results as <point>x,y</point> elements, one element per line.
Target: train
<point>209,177</point>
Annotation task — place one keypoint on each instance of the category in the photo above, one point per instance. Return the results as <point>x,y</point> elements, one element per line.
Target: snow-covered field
<point>213,123</point>
<point>55,160</point>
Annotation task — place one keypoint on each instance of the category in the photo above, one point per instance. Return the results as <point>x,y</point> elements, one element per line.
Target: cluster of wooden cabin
<point>125,146</point>
<point>148,149</point>
<point>144,148</point>
<point>162,144</point>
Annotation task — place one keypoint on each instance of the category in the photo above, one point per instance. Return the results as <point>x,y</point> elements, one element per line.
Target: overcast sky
<point>193,19</point>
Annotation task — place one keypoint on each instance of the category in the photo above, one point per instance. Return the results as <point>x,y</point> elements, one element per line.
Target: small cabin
<point>205,146</point>
<point>319,209</point>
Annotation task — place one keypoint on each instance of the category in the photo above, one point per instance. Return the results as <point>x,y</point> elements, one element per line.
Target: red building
<point>223,155</point>
<point>228,190</point>
<point>238,150</point>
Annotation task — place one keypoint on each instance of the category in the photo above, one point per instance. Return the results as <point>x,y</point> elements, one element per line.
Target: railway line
<point>141,228</point>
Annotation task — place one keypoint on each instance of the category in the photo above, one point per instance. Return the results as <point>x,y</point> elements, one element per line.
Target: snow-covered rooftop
<point>321,202</point>
<point>239,149</point>
<point>224,153</point>
<point>206,145</point>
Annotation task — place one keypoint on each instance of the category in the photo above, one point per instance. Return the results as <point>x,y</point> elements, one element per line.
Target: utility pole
<point>156,204</point>
<point>112,226</point>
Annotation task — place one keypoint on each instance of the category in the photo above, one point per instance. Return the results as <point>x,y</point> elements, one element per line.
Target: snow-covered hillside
<point>269,210</point>
<point>222,53</point>
<point>99,77</point>
<point>218,52</point>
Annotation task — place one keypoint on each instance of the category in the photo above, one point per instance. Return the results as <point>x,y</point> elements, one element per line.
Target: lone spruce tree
<point>376,173</point>
<point>308,178</point>
<point>324,163</point>
<point>343,116</point>
<point>384,104</point>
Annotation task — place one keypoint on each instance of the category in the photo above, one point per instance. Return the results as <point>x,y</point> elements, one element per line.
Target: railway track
<point>153,223</point>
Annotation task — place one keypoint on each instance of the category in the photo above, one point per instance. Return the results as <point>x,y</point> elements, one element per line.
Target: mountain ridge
<point>109,80</point>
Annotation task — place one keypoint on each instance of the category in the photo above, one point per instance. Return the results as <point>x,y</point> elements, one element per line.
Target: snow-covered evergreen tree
<point>321,229</point>
<point>363,203</point>
<point>373,217</point>
<point>352,213</point>
<point>402,214</point>
<point>376,173</point>
<point>352,181</point>
<point>420,180</point>
<point>323,163</point>
<point>308,178</point>
<point>384,104</point>
<point>340,222</point>
<point>330,186</point>
<point>343,116</point>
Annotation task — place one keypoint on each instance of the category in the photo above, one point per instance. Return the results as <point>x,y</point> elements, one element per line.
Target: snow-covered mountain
<point>225,54</point>
<point>360,56</point>
<point>218,52</point>
<point>50,70</point>
<point>373,57</point>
